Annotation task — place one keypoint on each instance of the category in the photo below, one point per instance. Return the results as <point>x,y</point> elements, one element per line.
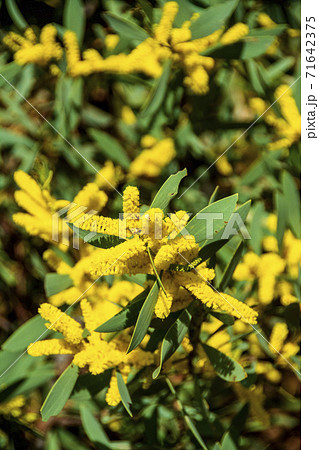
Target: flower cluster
<point>28,50</point>
<point>167,43</point>
<point>287,127</point>
<point>93,351</point>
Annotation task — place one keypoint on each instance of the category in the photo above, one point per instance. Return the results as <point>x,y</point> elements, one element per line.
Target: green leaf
<point>88,385</point>
<point>29,332</point>
<point>99,240</point>
<point>157,94</point>
<point>201,227</point>
<point>226,368</point>
<point>144,318</point>
<point>168,191</point>
<point>223,317</point>
<point>214,195</point>
<point>16,15</point>
<point>292,199</point>
<point>275,31</point>
<point>248,47</point>
<point>59,393</point>
<point>231,266</point>
<point>256,229</point>
<point>212,18</point>
<point>228,443</point>
<point>110,147</point>
<point>194,431</point>
<point>125,28</point>
<point>125,318</point>
<point>282,214</point>
<point>74,18</point>
<point>173,339</point>
<point>124,393</point>
<point>93,428</point>
<point>209,249</point>
<point>56,282</point>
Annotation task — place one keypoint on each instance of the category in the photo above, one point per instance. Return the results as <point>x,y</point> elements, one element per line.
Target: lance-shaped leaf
<point>97,239</point>
<point>59,393</point>
<point>211,219</point>
<point>110,147</point>
<point>27,333</point>
<point>94,429</point>
<point>144,317</point>
<point>125,318</point>
<point>231,266</point>
<point>248,47</point>
<point>72,21</point>
<point>56,282</point>
<point>125,27</point>
<point>168,191</point>
<point>124,393</point>
<point>223,317</point>
<point>212,19</point>
<point>209,248</point>
<point>173,339</point>
<point>157,95</point>
<point>226,368</point>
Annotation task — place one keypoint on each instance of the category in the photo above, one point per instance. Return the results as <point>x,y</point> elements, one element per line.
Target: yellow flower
<point>265,21</point>
<point>278,336</point>
<point>128,115</point>
<point>150,162</point>
<point>254,395</point>
<point>91,197</point>
<point>234,34</point>
<point>27,50</point>
<point>109,176</point>
<point>288,127</point>
<point>61,322</point>
<point>113,396</point>
<point>223,166</point>
<point>111,41</point>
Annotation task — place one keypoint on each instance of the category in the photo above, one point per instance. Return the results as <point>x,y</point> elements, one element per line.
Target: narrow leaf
<point>125,28</point>
<point>25,335</point>
<point>125,318</point>
<point>56,282</point>
<point>124,393</point>
<point>93,428</point>
<point>74,18</point>
<point>226,368</point>
<point>144,318</point>
<point>168,191</point>
<point>212,19</point>
<point>59,393</point>
<point>173,339</point>
<point>231,266</point>
<point>110,147</point>
<point>99,240</point>
<point>211,219</point>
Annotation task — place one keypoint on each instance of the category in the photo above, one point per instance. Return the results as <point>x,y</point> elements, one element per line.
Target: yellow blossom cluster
<point>42,216</point>
<point>92,351</point>
<point>278,345</point>
<point>255,397</point>
<point>28,50</point>
<point>166,43</point>
<point>109,176</point>
<point>155,156</point>
<point>154,246</point>
<point>287,127</point>
<point>269,267</point>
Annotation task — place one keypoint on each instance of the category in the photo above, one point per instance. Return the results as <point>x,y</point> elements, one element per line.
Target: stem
<point>187,419</point>
<point>156,273</point>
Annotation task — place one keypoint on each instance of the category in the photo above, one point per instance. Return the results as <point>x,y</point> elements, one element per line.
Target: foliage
<point>120,119</point>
